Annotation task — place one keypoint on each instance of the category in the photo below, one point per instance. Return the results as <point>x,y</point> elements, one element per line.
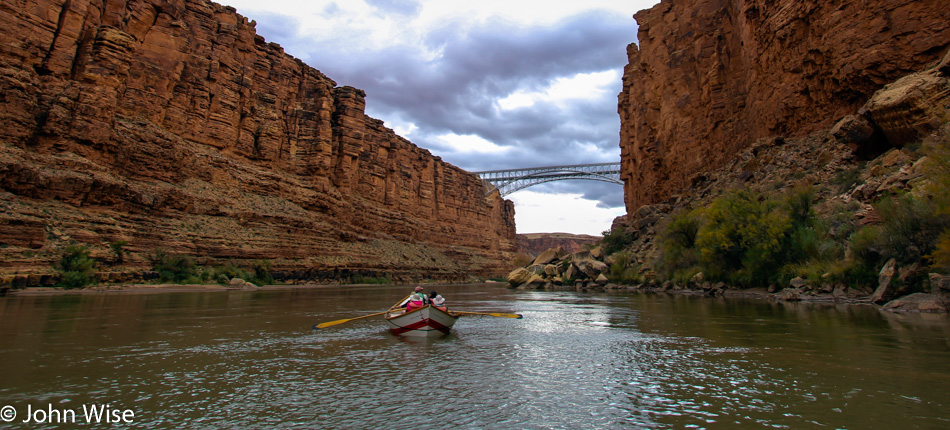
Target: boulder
<point>518,276</point>
<point>798,282</point>
<point>601,280</point>
<point>572,272</point>
<point>697,280</point>
<point>917,302</point>
<point>789,295</point>
<point>940,285</point>
<point>550,270</point>
<point>597,253</point>
<point>853,130</point>
<point>536,282</point>
<point>537,269</point>
<point>590,267</point>
<point>548,256</point>
<point>236,282</point>
<point>884,292</point>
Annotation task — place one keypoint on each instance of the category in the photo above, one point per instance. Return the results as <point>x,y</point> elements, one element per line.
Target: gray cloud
<point>456,91</point>
<point>399,7</point>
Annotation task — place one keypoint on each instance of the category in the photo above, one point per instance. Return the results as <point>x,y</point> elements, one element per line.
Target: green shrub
<point>615,240</point>
<point>360,279</point>
<point>744,238</point>
<point>261,272</point>
<point>75,267</point>
<point>223,273</point>
<point>937,168</point>
<point>678,243</point>
<point>176,268</point>
<point>910,227</point>
<point>118,251</point>
<point>623,269</point>
<point>799,203</point>
<point>258,273</point>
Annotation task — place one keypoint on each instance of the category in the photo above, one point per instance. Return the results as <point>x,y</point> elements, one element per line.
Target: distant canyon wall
<point>171,123</point>
<point>710,77</point>
<point>536,243</point>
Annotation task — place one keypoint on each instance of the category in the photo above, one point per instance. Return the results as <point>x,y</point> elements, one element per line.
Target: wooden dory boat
<point>427,321</point>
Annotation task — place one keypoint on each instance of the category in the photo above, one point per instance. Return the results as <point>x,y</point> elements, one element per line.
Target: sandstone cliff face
<point>710,77</point>
<point>536,243</point>
<point>171,123</point>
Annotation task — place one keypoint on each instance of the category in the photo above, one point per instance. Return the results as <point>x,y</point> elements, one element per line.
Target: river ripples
<point>224,360</point>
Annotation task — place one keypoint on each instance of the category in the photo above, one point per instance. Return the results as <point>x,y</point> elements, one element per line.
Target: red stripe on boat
<point>418,325</point>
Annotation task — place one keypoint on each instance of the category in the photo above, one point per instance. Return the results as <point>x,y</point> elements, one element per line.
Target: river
<point>576,360</point>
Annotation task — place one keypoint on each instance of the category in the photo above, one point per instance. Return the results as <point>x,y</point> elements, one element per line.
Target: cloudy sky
<point>486,85</point>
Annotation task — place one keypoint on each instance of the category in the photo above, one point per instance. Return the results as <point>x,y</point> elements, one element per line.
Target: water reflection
<point>230,359</point>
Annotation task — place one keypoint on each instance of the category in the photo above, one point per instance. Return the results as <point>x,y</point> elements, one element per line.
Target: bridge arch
<point>511,180</point>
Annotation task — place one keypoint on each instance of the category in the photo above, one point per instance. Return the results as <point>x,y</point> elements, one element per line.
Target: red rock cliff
<point>711,76</point>
<point>171,123</point>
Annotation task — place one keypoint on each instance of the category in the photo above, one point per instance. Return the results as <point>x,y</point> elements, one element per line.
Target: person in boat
<point>437,300</point>
<point>417,300</point>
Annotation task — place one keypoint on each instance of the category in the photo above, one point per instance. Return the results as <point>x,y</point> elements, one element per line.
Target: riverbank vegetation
<point>182,269</point>
<point>77,269</point>
<point>756,238</point>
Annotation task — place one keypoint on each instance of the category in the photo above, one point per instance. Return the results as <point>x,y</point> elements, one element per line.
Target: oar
<point>493,314</point>
<point>328,324</point>
<point>396,306</point>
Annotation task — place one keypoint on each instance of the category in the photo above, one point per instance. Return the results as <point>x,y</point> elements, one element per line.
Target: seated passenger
<point>416,300</point>
<point>437,300</point>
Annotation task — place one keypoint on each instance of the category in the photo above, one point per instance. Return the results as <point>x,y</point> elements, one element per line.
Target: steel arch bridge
<point>511,180</point>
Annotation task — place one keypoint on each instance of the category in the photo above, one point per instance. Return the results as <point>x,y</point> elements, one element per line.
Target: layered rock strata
<point>710,77</point>
<point>536,243</point>
<point>172,124</point>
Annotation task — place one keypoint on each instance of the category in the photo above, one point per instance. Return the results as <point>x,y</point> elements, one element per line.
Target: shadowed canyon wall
<point>710,77</point>
<point>172,124</point>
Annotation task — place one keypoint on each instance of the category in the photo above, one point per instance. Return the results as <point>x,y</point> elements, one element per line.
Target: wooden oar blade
<point>328,324</point>
<point>331,323</point>
<point>493,314</point>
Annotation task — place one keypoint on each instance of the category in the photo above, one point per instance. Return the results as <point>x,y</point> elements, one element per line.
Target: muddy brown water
<point>250,359</point>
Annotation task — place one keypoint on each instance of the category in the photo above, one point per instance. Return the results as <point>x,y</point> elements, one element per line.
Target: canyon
<point>710,78</point>
<point>171,125</point>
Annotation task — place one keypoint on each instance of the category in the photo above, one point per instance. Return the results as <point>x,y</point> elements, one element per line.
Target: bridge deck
<point>510,180</point>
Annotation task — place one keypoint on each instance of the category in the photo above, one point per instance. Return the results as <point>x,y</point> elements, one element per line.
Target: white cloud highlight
<point>561,213</point>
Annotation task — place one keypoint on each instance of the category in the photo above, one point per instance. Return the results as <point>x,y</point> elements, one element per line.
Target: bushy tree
<point>76,267</point>
<point>174,267</point>
<point>937,167</point>
<point>615,240</point>
<point>743,238</point>
<point>679,257</point>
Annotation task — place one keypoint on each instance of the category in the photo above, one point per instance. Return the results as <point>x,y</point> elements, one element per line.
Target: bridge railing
<point>511,180</point>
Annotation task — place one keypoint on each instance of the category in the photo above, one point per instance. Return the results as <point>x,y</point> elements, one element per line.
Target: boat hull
<point>423,322</point>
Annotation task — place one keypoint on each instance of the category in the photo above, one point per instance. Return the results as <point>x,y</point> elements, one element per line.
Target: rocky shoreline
<point>591,270</point>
